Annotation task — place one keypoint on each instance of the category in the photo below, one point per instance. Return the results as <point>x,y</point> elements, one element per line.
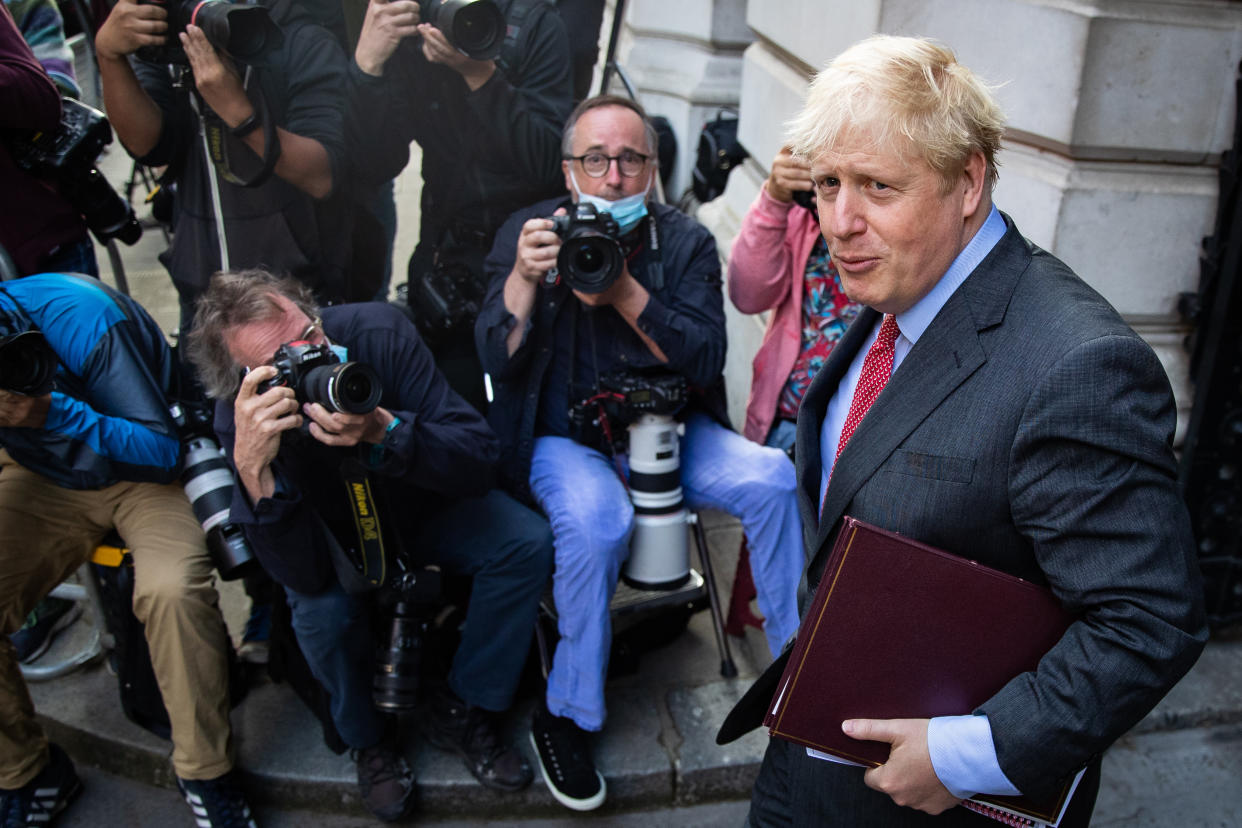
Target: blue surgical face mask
<point>627,212</point>
<point>342,353</point>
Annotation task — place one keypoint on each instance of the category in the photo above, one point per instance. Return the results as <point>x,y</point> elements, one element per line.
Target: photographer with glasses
<point>424,461</point>
<point>546,341</point>
<point>489,126</point>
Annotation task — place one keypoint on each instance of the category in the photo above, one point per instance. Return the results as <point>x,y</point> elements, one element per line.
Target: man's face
<point>890,227</point>
<point>255,343</point>
<point>610,130</point>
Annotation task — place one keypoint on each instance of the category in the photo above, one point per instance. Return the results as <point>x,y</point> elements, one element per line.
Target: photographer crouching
<point>325,494</point>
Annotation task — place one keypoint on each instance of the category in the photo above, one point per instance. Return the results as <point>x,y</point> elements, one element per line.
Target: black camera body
<point>246,32</point>
<point>474,27</point>
<point>316,375</point>
<point>590,259</point>
<point>624,397</point>
<point>66,159</point>
<point>443,301</point>
<point>27,364</point>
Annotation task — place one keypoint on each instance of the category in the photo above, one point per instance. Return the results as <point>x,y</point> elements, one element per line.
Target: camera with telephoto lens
<point>27,364</point>
<point>647,405</point>
<point>317,375</point>
<point>474,27</point>
<point>805,199</point>
<point>244,31</point>
<point>65,158</point>
<point>590,258</point>
<point>208,483</point>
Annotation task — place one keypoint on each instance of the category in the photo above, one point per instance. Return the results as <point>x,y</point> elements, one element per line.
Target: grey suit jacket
<point>1030,429</point>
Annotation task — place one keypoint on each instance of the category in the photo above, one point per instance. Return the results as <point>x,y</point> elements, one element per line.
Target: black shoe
<point>42,798</point>
<point>471,732</point>
<point>385,781</point>
<point>564,753</point>
<point>50,616</point>
<point>216,803</point>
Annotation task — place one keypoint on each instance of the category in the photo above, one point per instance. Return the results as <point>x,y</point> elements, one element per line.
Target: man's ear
<point>569,182</point>
<point>974,184</point>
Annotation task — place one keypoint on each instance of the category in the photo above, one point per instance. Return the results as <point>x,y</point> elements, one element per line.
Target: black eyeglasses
<point>596,164</point>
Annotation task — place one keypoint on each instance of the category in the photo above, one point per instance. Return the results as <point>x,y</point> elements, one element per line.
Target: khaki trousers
<point>48,531</point>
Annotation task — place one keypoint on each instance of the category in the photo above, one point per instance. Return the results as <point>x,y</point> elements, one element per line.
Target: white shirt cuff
<point>964,756</point>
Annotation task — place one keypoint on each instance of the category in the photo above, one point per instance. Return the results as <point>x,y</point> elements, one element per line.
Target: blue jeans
<point>504,546</point>
<point>592,519</point>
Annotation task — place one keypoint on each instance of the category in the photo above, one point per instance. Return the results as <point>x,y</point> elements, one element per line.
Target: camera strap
<point>217,135</point>
<point>364,566</point>
<point>656,273</point>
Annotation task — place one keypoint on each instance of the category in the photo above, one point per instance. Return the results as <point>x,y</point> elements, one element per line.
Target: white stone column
<point>685,60</point>
<point>1118,111</point>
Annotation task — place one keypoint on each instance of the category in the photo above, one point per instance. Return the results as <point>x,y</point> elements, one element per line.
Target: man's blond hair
<point>904,94</point>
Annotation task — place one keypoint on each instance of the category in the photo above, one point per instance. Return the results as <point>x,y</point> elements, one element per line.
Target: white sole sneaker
<point>588,804</point>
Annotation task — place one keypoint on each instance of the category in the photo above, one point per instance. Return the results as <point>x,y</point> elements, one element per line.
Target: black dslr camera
<point>27,364</point>
<point>474,27</point>
<point>443,301</point>
<point>590,259</point>
<point>316,375</point>
<point>623,397</point>
<point>66,157</point>
<point>244,31</point>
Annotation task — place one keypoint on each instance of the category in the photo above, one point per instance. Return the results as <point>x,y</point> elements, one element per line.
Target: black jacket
<point>685,318</point>
<point>485,153</point>
<point>442,447</point>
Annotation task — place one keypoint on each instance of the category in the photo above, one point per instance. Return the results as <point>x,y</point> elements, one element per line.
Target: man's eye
<point>879,185</point>
<point>826,183</point>
<point>595,159</point>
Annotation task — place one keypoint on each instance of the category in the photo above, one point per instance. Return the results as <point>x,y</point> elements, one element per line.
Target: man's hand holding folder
<point>908,776</point>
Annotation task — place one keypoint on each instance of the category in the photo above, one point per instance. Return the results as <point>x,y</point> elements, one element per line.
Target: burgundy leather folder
<point>899,629</point>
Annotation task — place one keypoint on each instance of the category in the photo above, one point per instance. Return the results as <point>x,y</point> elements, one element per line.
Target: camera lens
<point>476,27</point>
<point>28,364</point>
<point>590,263</point>
<point>350,387</point>
<point>397,664</point>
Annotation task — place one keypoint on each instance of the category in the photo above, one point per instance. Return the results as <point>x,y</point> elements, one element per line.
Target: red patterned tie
<point>876,369</point>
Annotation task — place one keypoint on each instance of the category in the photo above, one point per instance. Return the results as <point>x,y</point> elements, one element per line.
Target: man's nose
<point>613,174</point>
<point>844,216</point>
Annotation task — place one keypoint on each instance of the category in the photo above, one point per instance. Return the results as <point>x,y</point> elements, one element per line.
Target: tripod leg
<point>727,668</point>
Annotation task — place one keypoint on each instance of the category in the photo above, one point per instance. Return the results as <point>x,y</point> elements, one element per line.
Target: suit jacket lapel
<point>946,354</point>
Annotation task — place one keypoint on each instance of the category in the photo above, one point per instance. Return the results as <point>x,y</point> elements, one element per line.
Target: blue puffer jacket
<point>109,418</point>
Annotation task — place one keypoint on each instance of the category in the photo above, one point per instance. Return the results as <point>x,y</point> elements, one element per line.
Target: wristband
<point>376,455</point>
<point>247,126</point>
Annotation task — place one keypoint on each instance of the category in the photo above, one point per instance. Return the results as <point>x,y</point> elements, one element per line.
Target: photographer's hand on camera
<point>130,26</point>
<point>21,411</point>
<point>789,174</point>
<point>386,24</point>
<point>215,78</point>
<point>537,248</point>
<point>338,428</point>
<point>261,416</point>
<point>437,49</point>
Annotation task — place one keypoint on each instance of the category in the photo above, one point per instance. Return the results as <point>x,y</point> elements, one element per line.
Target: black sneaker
<point>472,733</point>
<point>385,781</point>
<point>42,798</point>
<point>50,616</point>
<point>564,753</point>
<point>216,803</point>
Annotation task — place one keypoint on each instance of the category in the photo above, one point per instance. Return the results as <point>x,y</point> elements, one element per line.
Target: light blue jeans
<point>592,518</point>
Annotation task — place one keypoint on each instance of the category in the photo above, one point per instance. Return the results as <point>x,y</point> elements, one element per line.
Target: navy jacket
<point>442,447</point>
<point>109,418</point>
<point>685,318</point>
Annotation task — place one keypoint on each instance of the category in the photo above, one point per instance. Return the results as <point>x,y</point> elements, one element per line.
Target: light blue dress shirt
<point>961,747</point>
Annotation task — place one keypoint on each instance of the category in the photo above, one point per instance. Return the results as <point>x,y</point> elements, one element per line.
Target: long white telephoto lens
<point>659,550</point>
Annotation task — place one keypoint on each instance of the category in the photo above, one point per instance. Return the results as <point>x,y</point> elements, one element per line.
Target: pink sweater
<point>766,270</point>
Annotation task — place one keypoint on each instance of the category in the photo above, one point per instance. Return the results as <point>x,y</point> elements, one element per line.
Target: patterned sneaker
<point>50,616</point>
<point>42,798</point>
<point>472,733</point>
<point>386,782</point>
<point>216,803</point>
<point>564,753</point>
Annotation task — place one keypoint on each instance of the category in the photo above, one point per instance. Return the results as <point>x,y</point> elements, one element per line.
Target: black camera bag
<point>719,153</point>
